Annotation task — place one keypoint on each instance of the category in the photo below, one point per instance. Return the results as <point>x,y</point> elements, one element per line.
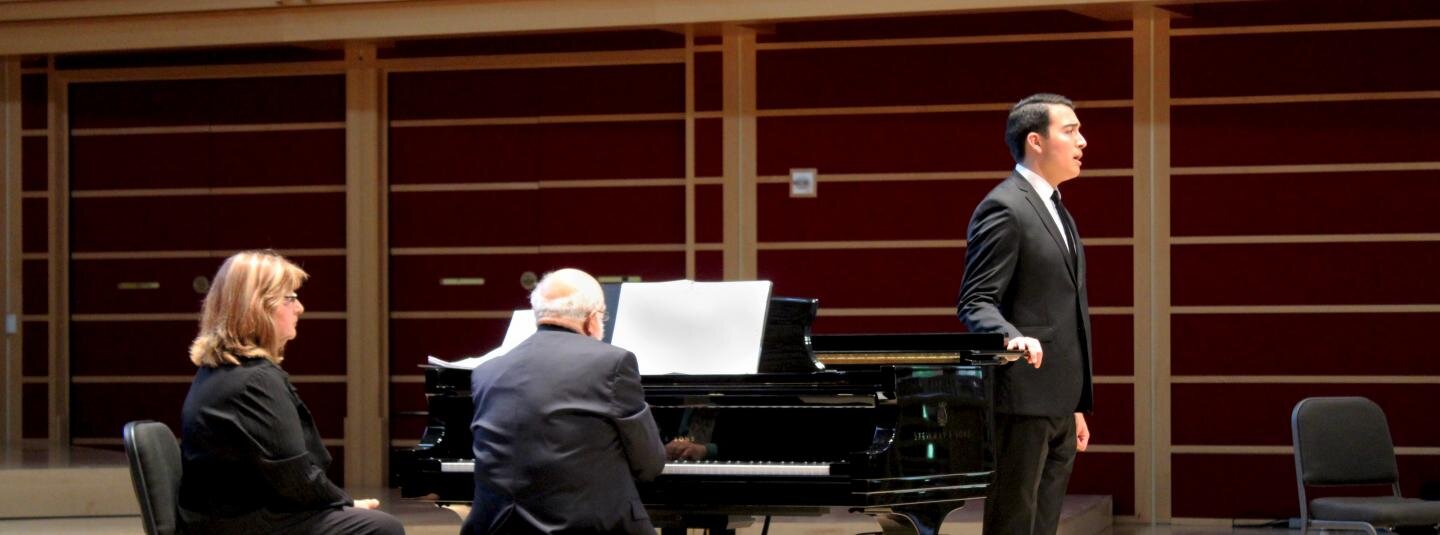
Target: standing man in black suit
<point>1025,277</point>
<point>561,426</point>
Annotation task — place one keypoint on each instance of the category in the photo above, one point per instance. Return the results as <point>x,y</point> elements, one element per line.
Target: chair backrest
<point>1342,441</point>
<point>155,471</point>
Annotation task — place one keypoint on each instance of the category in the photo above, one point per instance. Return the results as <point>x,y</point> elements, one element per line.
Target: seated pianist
<point>561,428</point>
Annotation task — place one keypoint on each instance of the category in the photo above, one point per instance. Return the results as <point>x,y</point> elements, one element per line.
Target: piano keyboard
<point>747,469</point>
<point>703,468</point>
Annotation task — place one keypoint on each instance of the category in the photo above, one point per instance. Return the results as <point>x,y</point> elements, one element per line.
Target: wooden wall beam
<point>10,237</point>
<point>47,27</point>
<point>366,366</point>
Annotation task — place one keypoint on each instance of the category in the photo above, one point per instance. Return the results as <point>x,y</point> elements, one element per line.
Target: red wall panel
<point>94,290</point>
<point>611,89</point>
<point>920,142</point>
<point>451,94</point>
<point>709,80</point>
<point>1313,62</point>
<point>198,102</point>
<point>36,358</point>
<point>408,397</point>
<point>1205,484</point>
<point>1301,133</point>
<point>131,347</point>
<point>302,220</point>
<point>34,164</point>
<point>35,407</point>
<point>939,74</point>
<point>327,402</point>
<point>108,406</point>
<point>318,348</point>
<point>646,149</point>
<point>451,154</point>
<point>551,151</point>
<point>34,101</point>
<point>411,340</point>
<point>1113,421</point>
<point>709,148</point>
<point>283,158</point>
<point>162,347</point>
<point>709,214</point>
<point>1324,344</point>
<point>1113,347</point>
<point>287,99</point>
<point>1309,203</point>
<point>887,277</point>
<point>1101,206</point>
<point>278,221</point>
<point>844,211</point>
<point>1107,473</point>
<point>415,280</point>
<point>1304,274</point>
<point>129,223</point>
<point>147,103</point>
<point>35,296</point>
<point>709,266</point>
<point>141,161</point>
<point>1259,414</point>
<point>867,277</point>
<point>34,225</point>
<point>464,218</point>
<point>1110,276</point>
<point>626,215</point>
<point>914,210</point>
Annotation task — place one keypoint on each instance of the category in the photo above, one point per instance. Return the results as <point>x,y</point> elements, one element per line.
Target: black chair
<point>155,471</point>
<point>1346,441</point>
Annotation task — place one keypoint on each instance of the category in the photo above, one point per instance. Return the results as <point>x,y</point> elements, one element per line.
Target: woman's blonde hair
<point>238,317</point>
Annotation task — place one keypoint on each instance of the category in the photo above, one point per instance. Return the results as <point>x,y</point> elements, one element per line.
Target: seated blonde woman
<point>253,460</point>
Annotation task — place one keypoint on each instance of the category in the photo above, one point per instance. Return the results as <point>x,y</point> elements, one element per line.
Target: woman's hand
<point>367,503</point>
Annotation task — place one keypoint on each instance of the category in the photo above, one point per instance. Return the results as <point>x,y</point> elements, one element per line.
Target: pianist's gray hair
<point>567,293</point>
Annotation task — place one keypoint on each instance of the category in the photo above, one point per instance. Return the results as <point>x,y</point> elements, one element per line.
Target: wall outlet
<point>803,182</point>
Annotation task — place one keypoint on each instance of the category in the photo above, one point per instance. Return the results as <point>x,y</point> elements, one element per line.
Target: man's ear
<point>1033,140</point>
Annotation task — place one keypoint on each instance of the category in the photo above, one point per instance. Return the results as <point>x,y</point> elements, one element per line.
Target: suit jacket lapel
<point>1044,214</point>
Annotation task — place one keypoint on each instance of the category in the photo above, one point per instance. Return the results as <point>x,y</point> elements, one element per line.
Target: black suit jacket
<point>561,433</point>
<point>1020,280</point>
<point>253,460</point>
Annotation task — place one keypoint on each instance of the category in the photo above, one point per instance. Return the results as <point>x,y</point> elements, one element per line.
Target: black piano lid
<point>907,343</point>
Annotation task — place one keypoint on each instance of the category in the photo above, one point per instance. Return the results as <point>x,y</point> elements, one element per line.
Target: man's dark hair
<point>1031,114</point>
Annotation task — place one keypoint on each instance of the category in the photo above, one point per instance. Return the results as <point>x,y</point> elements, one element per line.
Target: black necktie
<point>1068,225</point>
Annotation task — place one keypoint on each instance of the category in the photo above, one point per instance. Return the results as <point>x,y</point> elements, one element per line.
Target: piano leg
<point>910,520</point>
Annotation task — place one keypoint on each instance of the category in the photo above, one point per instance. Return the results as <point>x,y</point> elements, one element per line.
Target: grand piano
<point>899,427</point>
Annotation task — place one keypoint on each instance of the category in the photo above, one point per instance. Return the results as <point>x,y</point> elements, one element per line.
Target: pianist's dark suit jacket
<point>253,461</point>
<point>561,431</point>
<point>1019,281</point>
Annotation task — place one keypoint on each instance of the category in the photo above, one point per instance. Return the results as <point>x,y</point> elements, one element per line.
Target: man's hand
<point>684,450</point>
<point>1031,347</point>
<point>1082,432</point>
<point>367,503</point>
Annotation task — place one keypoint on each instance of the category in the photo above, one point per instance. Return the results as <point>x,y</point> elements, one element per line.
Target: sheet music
<point>693,327</point>
<point>522,325</point>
